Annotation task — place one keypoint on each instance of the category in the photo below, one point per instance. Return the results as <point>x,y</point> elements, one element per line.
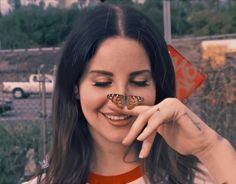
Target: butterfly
<point>125,100</point>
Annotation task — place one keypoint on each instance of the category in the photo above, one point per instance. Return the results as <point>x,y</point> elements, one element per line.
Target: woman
<point>115,115</point>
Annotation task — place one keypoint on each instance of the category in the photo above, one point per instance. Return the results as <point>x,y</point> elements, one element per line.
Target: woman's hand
<point>184,131</point>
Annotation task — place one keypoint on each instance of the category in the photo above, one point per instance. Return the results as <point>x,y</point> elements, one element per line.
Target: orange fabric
<point>188,77</point>
<point>117,179</point>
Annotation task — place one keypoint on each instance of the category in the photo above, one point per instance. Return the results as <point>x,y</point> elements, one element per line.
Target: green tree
<point>37,26</point>
<point>34,26</point>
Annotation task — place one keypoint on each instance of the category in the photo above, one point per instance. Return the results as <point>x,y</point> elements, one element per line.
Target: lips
<point>118,119</point>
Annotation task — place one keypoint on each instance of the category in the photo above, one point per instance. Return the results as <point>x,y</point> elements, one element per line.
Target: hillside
<point>16,66</point>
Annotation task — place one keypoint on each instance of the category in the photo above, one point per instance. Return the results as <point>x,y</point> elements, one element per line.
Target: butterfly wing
<point>133,101</point>
<point>117,99</point>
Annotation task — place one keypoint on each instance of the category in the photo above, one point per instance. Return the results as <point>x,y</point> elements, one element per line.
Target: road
<point>26,109</point>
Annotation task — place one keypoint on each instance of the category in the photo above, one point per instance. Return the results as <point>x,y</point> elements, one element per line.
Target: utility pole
<point>167,21</point>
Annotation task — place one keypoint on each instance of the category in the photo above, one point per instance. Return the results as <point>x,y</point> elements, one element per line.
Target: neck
<point>113,158</point>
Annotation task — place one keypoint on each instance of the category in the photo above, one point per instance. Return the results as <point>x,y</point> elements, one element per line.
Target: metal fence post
<point>43,113</point>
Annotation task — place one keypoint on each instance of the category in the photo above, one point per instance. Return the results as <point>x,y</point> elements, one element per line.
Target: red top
<point>116,179</point>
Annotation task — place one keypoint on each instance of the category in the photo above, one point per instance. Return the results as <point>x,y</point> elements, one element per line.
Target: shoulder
<point>203,177</point>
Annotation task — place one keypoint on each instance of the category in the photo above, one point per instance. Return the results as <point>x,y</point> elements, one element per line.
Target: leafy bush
<point>14,144</point>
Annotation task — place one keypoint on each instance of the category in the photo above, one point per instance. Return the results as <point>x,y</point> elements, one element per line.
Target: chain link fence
<point>26,85</point>
<point>25,117</point>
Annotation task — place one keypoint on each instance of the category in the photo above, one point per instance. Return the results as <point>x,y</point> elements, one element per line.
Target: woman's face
<point>121,66</point>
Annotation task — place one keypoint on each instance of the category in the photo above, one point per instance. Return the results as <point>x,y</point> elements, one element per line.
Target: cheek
<point>150,100</point>
<point>150,96</point>
<point>90,99</point>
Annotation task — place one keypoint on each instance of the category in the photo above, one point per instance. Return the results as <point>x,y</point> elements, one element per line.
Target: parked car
<point>5,105</point>
<point>33,86</point>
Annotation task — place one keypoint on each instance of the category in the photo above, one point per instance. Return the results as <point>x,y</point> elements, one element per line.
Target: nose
<point>117,96</point>
<point>121,88</point>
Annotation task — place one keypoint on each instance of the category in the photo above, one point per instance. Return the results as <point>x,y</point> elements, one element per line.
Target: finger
<point>138,125</point>
<point>136,110</point>
<point>147,145</point>
<point>153,124</point>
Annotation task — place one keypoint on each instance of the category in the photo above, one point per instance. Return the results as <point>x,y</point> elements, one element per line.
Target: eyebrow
<point>111,74</point>
<point>140,72</point>
<point>102,72</point>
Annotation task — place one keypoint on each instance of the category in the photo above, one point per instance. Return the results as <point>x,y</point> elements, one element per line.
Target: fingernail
<point>139,138</point>
<point>124,141</point>
<point>141,156</point>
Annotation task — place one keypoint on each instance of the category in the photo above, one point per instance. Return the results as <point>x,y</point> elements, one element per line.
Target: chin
<point>116,138</point>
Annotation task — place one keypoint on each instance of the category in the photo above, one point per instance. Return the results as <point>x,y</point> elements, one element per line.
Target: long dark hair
<point>72,145</point>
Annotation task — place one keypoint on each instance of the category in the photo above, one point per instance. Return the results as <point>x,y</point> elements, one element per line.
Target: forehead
<point>119,53</point>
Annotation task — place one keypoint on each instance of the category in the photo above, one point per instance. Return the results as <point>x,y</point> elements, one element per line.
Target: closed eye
<point>102,84</point>
<point>140,83</point>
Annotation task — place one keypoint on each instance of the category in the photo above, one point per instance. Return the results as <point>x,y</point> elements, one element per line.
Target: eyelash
<point>140,83</point>
<point>137,83</point>
<point>101,84</point>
